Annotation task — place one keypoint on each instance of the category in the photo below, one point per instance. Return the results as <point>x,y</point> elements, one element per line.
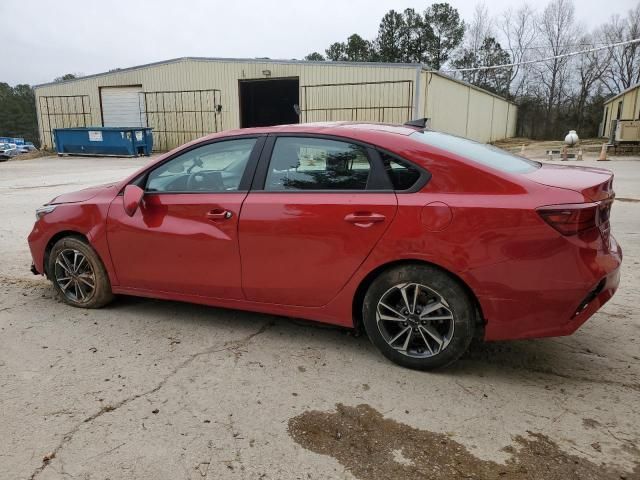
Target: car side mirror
<point>132,197</point>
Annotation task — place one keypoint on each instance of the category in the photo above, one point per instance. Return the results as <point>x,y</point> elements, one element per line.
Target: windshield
<point>478,152</point>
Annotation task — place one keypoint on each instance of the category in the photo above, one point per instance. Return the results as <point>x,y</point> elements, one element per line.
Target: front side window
<point>478,152</point>
<point>299,163</point>
<point>216,167</point>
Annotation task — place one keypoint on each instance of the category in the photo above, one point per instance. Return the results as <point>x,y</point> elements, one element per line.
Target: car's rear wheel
<point>78,275</point>
<point>419,316</point>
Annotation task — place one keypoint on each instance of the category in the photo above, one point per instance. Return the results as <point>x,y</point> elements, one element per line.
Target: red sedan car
<point>424,239</point>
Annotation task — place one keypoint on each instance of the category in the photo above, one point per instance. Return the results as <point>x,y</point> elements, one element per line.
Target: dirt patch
<point>34,154</point>
<point>372,447</point>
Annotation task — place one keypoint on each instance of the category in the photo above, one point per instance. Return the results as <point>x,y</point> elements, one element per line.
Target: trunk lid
<point>581,219</point>
<point>594,183</point>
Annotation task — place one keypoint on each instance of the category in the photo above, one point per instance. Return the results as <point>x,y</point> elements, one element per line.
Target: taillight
<point>573,218</point>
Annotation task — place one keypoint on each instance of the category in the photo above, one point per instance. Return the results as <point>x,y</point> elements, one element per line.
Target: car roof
<point>356,130</point>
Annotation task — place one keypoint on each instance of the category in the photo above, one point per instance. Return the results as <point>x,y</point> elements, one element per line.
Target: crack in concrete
<point>229,346</point>
<point>581,378</point>
<point>550,371</point>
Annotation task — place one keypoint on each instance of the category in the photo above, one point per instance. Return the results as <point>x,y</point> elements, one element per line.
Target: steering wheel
<point>192,182</point>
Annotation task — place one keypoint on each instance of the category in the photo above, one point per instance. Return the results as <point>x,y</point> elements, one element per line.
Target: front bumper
<point>37,244</point>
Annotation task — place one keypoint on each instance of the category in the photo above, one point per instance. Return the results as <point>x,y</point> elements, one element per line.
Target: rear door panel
<point>299,249</point>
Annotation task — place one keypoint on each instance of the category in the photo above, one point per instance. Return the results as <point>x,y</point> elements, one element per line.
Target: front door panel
<point>302,248</point>
<point>184,243</point>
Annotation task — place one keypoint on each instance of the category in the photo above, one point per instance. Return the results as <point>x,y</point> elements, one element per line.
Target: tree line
<point>18,112</point>
<point>553,95</point>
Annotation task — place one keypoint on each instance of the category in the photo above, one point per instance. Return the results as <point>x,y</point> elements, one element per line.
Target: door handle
<point>364,219</point>
<point>219,214</point>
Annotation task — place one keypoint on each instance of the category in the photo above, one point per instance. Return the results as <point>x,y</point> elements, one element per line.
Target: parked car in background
<point>425,239</point>
<point>26,148</point>
<point>7,151</point>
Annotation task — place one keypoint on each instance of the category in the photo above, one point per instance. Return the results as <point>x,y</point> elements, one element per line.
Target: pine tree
<point>447,29</point>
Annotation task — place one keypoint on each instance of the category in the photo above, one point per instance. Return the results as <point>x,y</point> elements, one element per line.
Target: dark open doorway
<point>270,101</point>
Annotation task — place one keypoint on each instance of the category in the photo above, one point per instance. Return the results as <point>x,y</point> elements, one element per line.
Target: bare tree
<point>557,34</point>
<point>624,68</point>
<point>480,27</point>
<point>478,30</point>
<point>589,69</point>
<point>518,32</point>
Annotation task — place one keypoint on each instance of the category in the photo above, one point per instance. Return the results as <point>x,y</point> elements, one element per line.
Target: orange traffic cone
<point>603,153</point>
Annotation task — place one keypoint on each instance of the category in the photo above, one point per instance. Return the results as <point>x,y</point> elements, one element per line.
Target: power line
<point>529,62</point>
<point>545,47</point>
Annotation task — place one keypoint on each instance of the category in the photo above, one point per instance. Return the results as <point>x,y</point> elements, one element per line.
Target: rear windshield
<point>478,152</point>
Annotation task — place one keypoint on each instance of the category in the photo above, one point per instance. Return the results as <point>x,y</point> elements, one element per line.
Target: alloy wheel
<point>415,320</point>
<point>75,276</point>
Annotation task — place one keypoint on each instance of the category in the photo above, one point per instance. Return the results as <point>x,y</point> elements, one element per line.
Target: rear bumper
<point>609,287</point>
<point>551,301</point>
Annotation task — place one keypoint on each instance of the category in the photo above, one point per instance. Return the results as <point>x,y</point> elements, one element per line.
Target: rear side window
<point>299,163</point>
<point>402,175</point>
<point>478,152</point>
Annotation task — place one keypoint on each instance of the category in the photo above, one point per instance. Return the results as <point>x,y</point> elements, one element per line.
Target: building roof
<point>631,88</point>
<point>327,63</point>
<point>237,60</point>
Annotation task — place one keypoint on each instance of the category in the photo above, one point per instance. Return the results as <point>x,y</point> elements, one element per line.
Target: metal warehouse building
<point>186,98</point>
<point>624,106</point>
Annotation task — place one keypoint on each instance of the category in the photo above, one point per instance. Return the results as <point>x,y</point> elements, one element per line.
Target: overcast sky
<point>44,39</point>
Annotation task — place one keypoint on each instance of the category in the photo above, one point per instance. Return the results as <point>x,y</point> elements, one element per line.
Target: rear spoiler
<point>419,123</point>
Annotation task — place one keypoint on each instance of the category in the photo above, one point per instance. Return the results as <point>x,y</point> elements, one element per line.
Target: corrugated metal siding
<point>480,107</point>
<point>61,112</point>
<point>630,108</point>
<point>467,111</point>
<point>179,117</point>
<point>447,105</point>
<point>388,101</point>
<point>443,100</point>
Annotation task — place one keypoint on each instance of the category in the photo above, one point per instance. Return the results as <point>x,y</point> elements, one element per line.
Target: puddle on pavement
<point>372,447</point>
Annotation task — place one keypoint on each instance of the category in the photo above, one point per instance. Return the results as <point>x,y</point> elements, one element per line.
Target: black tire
<point>454,334</point>
<point>81,297</point>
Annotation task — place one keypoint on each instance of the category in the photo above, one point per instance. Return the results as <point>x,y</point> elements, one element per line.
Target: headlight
<point>42,211</point>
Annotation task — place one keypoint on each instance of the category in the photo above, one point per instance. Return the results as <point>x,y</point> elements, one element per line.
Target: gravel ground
<point>156,390</point>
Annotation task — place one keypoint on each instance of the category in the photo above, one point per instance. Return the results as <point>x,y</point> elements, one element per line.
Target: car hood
<point>81,195</point>
<point>593,183</point>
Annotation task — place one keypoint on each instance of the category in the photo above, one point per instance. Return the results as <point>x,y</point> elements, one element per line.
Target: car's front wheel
<point>78,275</point>
<point>419,316</point>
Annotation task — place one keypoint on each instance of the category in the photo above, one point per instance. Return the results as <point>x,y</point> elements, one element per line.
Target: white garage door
<point>123,107</point>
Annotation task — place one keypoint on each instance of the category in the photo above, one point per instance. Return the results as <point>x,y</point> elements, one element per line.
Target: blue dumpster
<point>120,142</point>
